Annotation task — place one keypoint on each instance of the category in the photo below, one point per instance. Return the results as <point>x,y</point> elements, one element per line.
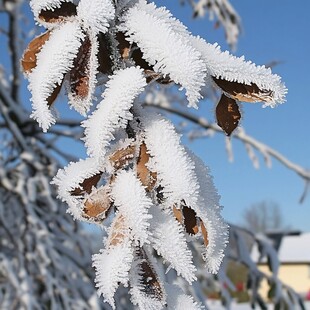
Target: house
<point>294,258</point>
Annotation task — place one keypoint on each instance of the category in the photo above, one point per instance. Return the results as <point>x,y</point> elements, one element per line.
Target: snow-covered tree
<point>155,197</point>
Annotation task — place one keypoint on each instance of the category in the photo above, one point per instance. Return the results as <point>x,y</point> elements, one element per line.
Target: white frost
<point>181,180</point>
<point>169,240</point>
<point>236,69</point>
<point>96,14</point>
<point>130,198</point>
<point>168,51</point>
<point>112,267</point>
<point>113,111</point>
<point>53,62</point>
<point>209,210</point>
<point>70,178</point>
<point>178,300</point>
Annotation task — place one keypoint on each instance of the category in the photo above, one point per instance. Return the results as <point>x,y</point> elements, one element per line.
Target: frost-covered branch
<point>162,212</point>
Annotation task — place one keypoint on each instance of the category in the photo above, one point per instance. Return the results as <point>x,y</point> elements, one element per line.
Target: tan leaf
<point>227,114</point>
<point>147,178</point>
<point>29,59</point>
<point>56,15</point>
<point>97,204</point>
<point>204,233</point>
<point>178,214</point>
<point>243,92</point>
<point>118,231</point>
<point>121,157</point>
<point>79,75</point>
<point>87,185</point>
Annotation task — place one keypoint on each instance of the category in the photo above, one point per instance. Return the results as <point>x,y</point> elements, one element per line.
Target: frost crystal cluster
<point>155,194</point>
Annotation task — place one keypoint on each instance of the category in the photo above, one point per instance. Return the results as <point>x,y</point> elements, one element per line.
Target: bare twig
<point>13,47</point>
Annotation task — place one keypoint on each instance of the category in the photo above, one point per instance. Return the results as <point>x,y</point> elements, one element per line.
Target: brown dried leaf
<point>50,100</point>
<point>97,204</point>
<point>227,114</point>
<point>204,233</point>
<point>105,62</point>
<point>190,220</point>
<point>79,74</point>
<point>95,209</point>
<point>87,185</point>
<point>29,59</point>
<point>66,10</point>
<point>123,45</point>
<point>187,217</point>
<point>121,157</point>
<point>243,92</point>
<point>149,283</point>
<point>147,178</point>
<point>158,77</point>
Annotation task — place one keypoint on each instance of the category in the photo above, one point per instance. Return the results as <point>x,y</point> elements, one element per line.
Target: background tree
<point>44,257</point>
<point>263,217</point>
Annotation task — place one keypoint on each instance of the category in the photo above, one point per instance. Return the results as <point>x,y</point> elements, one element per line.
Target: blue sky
<point>272,30</point>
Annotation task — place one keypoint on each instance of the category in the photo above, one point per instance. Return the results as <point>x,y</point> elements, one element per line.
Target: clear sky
<point>272,30</point>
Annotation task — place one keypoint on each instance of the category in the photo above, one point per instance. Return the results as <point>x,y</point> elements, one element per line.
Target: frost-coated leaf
<point>178,300</point>
<point>130,198</point>
<point>48,12</point>
<point>96,14</point>
<point>146,26</point>
<point>266,87</point>
<point>147,178</point>
<point>53,62</point>
<point>169,240</point>
<point>82,77</point>
<point>222,65</point>
<point>209,210</point>
<point>70,179</point>
<point>29,59</point>
<point>147,291</point>
<point>113,111</point>
<point>122,156</point>
<point>97,204</point>
<point>175,171</point>
<point>112,268</point>
<point>187,217</point>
